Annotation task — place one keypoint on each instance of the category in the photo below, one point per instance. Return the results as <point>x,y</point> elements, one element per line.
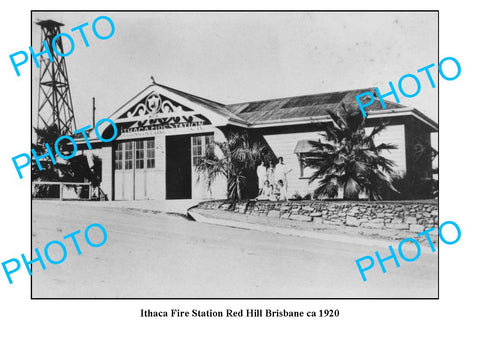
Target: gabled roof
<point>300,109</point>
<point>206,103</point>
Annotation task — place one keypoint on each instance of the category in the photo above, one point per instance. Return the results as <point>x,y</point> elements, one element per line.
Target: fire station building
<point>163,132</point>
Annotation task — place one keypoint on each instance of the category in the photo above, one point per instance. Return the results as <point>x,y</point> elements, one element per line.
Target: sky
<point>238,57</point>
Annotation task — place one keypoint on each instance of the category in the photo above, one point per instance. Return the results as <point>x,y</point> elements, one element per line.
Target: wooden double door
<point>134,169</point>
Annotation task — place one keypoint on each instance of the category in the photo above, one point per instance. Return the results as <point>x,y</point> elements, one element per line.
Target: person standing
<point>262,176</point>
<point>281,172</point>
<point>271,173</point>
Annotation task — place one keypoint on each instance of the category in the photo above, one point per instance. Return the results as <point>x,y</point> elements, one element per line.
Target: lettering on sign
<point>158,113</point>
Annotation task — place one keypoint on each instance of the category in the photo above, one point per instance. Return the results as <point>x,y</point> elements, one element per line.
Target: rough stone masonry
<point>386,219</point>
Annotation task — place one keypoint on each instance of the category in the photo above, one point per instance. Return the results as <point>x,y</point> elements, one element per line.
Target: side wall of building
<point>106,156</point>
<point>284,145</point>
<point>218,188</point>
<point>418,143</point>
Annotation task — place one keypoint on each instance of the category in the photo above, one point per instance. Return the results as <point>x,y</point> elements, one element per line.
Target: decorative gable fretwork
<point>152,104</point>
<point>156,113</point>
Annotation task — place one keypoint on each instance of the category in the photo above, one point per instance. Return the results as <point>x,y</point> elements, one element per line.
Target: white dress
<point>262,175</point>
<point>282,194</point>
<point>281,174</point>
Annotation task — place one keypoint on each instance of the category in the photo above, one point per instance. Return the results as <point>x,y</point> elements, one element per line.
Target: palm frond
<point>379,128</point>
<point>349,158</point>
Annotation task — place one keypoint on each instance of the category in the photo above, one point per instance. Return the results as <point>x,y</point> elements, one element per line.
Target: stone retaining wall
<point>384,218</point>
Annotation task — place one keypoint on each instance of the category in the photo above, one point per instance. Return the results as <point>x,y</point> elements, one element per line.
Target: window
<point>139,154</point>
<point>306,152</point>
<point>125,151</point>
<point>302,160</point>
<point>128,155</point>
<point>118,156</point>
<point>196,149</point>
<point>150,153</point>
<point>200,145</point>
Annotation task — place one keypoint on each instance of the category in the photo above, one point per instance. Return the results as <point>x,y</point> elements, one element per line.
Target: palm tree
<point>236,156</point>
<point>76,169</point>
<point>349,158</point>
<point>45,135</point>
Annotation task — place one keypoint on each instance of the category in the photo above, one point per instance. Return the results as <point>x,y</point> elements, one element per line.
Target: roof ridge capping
<point>345,92</point>
<point>188,94</point>
<point>294,108</point>
<point>313,104</point>
<point>364,89</point>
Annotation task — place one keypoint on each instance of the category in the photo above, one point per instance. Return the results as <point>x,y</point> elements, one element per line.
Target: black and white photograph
<point>238,170</point>
<point>235,155</point>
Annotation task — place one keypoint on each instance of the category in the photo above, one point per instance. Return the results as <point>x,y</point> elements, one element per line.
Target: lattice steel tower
<point>54,98</point>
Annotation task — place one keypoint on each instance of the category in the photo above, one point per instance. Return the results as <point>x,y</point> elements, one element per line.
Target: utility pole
<point>93,112</point>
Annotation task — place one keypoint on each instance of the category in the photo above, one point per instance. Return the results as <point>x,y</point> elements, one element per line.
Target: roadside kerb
<point>301,233</point>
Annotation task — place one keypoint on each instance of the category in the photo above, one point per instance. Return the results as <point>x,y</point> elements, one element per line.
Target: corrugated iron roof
<point>310,106</point>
